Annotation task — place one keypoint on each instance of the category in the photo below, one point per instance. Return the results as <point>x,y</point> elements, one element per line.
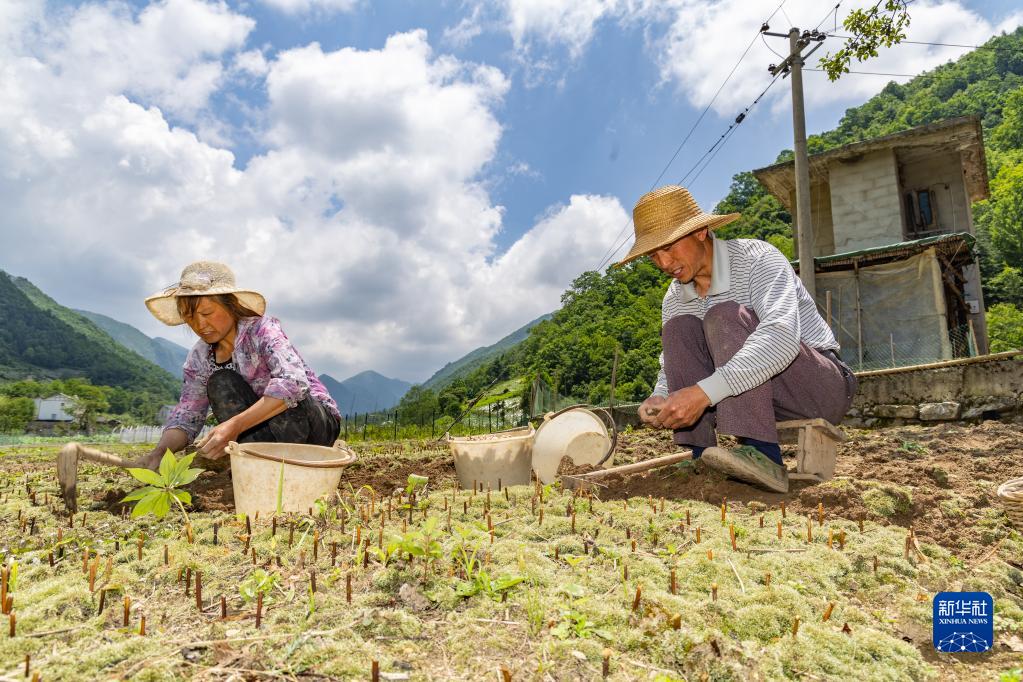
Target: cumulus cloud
<point>696,43</point>
<point>312,6</point>
<point>366,221</point>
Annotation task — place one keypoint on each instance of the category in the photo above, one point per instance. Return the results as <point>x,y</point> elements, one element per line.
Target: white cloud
<point>366,222</point>
<point>696,43</point>
<point>312,6</point>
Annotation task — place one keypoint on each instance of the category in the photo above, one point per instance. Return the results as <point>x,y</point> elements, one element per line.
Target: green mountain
<point>41,339</point>
<point>468,363</point>
<point>159,351</point>
<point>367,391</point>
<point>573,351</point>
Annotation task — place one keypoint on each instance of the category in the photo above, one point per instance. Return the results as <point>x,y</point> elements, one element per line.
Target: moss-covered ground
<point>540,599</point>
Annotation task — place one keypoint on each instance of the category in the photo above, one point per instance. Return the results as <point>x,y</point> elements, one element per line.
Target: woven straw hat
<point>665,215</point>
<point>202,278</point>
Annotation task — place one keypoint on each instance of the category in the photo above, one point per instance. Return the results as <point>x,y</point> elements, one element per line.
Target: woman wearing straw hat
<point>243,367</point>
<point>743,344</point>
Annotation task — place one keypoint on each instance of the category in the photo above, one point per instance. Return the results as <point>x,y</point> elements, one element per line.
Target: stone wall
<point>969,391</point>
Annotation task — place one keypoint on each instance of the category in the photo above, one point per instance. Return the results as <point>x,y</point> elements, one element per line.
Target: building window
<point>920,211</point>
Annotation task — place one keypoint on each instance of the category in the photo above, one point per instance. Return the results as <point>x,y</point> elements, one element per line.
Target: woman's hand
<point>214,443</point>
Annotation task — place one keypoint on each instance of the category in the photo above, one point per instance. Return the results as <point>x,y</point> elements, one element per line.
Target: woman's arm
<point>214,443</point>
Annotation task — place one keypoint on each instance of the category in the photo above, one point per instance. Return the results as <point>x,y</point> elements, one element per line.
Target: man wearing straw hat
<point>243,367</point>
<point>743,344</point>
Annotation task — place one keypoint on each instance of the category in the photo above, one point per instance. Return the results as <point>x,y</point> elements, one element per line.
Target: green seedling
<point>163,486</point>
<point>914,447</point>
<point>479,581</point>
<point>415,481</point>
<point>258,582</point>
<point>575,624</point>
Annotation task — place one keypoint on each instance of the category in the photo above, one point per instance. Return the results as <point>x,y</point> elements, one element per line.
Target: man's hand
<point>682,408</point>
<point>650,407</point>
<point>212,445</point>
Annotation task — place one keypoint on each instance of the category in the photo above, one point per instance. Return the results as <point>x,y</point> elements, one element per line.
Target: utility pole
<point>793,65</point>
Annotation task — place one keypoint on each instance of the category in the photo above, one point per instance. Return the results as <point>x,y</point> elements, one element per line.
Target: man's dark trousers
<point>815,384</point>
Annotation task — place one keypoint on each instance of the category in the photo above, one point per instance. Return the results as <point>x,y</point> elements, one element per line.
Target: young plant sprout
<point>162,487</point>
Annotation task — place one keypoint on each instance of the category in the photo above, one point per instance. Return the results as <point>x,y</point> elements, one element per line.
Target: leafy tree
<point>1004,327</point>
<point>15,414</point>
<point>1007,213</point>
<point>880,25</point>
<point>419,405</point>
<point>1006,287</point>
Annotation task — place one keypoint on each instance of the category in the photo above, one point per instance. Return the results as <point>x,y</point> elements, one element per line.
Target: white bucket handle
<point>348,458</point>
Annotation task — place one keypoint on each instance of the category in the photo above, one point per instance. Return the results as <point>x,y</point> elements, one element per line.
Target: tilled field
<point>676,574</point>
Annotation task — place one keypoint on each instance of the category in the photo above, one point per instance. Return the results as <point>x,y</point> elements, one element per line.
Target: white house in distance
<point>893,242</point>
<point>56,408</point>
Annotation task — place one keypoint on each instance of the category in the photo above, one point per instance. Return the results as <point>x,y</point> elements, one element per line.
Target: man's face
<point>683,258</point>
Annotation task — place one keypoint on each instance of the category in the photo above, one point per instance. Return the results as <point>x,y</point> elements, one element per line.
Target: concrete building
<point>879,203</point>
<point>56,408</point>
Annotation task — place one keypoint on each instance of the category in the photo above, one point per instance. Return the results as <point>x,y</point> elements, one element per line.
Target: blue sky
<point>405,181</point>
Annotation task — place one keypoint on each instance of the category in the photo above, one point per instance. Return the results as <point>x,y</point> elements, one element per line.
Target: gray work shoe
<point>748,464</point>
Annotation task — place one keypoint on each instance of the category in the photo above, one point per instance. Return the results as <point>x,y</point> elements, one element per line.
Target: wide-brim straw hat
<point>202,278</point>
<point>665,215</point>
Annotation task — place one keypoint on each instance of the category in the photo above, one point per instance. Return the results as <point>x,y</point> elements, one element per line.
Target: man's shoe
<point>748,464</point>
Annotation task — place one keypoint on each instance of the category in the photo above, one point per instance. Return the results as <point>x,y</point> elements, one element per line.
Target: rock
<point>412,598</point>
<point>939,411</point>
<point>993,405</point>
<point>895,411</point>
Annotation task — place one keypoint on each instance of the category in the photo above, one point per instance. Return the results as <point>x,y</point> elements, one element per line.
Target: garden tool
<point>67,469</point>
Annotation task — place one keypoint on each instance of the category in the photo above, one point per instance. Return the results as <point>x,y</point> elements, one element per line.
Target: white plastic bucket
<point>499,459</point>
<point>310,471</point>
<point>578,434</point>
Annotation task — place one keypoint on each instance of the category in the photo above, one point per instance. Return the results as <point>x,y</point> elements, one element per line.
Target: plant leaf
<point>139,494</point>
<point>147,476</point>
<point>145,505</point>
<point>182,495</point>
<point>187,477</point>
<point>162,504</point>
<point>168,466</point>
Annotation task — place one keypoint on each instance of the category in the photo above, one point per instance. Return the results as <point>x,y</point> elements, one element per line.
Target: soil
<point>960,465</point>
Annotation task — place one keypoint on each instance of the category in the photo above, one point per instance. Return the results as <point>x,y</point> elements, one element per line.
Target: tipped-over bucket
<point>578,434</point>
<point>499,459</point>
<point>298,474</point>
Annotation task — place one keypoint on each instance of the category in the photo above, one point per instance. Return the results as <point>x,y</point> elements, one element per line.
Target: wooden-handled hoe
<point>67,469</point>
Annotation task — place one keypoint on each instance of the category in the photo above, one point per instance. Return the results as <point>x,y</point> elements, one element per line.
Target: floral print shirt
<point>264,356</point>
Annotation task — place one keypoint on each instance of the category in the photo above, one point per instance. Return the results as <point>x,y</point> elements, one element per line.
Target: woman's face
<point>211,321</point>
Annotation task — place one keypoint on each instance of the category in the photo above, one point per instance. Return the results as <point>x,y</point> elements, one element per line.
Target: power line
<point>835,10</point>
<point>613,249</point>
<point>893,75</point>
<point>713,150</point>
<point>997,48</point>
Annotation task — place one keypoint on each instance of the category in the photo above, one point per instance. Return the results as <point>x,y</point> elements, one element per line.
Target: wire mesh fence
<point>921,349</point>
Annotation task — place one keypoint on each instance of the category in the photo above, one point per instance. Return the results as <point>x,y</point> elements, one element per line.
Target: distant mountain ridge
<point>42,339</point>
<point>469,362</point>
<point>367,391</point>
<point>159,351</point>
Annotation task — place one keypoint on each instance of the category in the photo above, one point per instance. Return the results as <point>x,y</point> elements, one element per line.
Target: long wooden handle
<point>106,458</point>
<point>637,467</point>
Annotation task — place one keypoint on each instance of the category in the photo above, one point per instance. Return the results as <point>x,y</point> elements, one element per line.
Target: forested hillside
<point>159,351</point>
<point>43,340</point>
<point>621,308</point>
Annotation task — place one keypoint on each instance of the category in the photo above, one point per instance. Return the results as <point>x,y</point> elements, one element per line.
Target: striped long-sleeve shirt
<point>755,274</point>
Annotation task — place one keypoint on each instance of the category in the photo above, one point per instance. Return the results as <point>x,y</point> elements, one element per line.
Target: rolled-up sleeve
<point>189,414</point>
<point>287,370</point>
